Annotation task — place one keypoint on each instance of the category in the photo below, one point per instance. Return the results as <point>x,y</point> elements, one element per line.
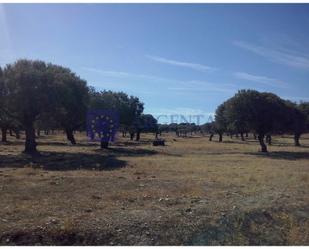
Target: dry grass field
<point>190,192</point>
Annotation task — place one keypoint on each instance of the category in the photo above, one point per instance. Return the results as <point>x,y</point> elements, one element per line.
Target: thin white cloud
<point>177,86</point>
<point>121,74</point>
<point>107,73</point>
<point>116,86</point>
<point>282,56</point>
<point>198,90</point>
<point>260,79</point>
<point>205,86</point>
<point>194,66</point>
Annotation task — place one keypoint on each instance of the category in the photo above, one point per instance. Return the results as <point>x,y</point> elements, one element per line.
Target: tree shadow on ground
<point>133,143</point>
<point>237,142</point>
<point>116,151</point>
<point>222,153</point>
<point>191,136</point>
<point>13,143</point>
<point>90,144</point>
<point>286,155</point>
<point>63,161</point>
<point>283,144</point>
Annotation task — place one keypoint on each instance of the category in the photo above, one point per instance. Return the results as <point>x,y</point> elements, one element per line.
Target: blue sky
<point>178,58</point>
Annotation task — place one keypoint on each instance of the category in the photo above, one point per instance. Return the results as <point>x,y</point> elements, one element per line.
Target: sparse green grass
<point>139,194</point>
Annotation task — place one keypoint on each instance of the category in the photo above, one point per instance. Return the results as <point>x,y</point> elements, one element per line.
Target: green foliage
<point>31,92</point>
<point>30,88</point>
<point>259,112</point>
<point>304,108</point>
<point>47,96</point>
<point>208,128</point>
<point>221,122</point>
<point>72,98</point>
<point>6,117</point>
<point>44,95</point>
<point>3,100</point>
<point>295,119</point>
<point>163,128</point>
<point>173,127</point>
<point>146,123</point>
<point>129,108</point>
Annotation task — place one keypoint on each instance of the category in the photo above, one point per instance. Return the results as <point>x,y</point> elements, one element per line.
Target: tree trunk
<point>296,139</point>
<point>70,136</point>
<point>104,145</point>
<point>242,136</point>
<point>268,139</point>
<point>17,133</point>
<point>138,136</point>
<point>11,133</point>
<point>30,144</point>
<point>247,135</point>
<point>220,137</point>
<point>38,133</point>
<point>263,145</point>
<point>3,131</point>
<point>254,135</point>
<point>210,137</point>
<point>131,135</point>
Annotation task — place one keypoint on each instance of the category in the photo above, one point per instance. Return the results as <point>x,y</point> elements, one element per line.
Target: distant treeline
<point>36,96</point>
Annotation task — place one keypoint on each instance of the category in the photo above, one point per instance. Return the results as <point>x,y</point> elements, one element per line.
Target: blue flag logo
<point>102,125</point>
